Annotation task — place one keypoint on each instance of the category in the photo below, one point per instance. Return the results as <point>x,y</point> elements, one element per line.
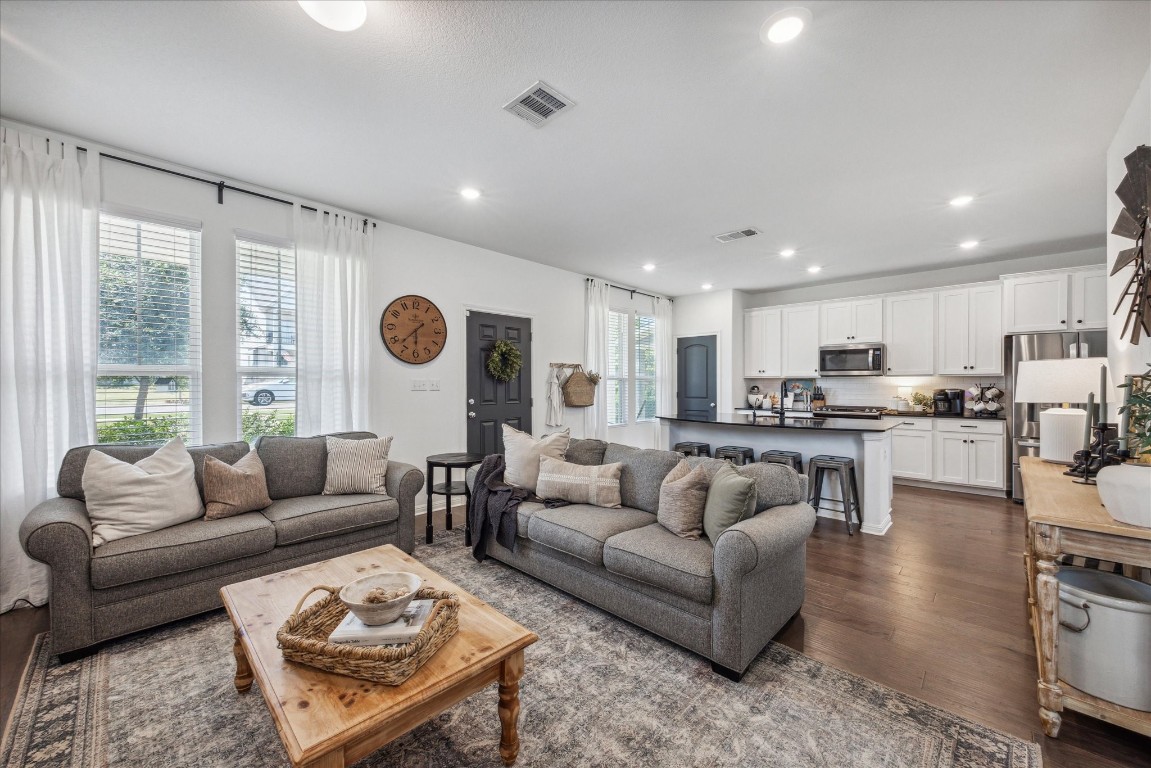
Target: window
<point>630,380</point>
<point>148,377</point>
<point>266,338</point>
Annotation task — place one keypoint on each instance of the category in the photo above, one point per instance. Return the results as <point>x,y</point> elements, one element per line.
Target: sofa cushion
<point>656,556</point>
<point>524,513</point>
<point>580,530</point>
<point>183,547</point>
<point>642,472</point>
<point>681,502</point>
<point>297,466</point>
<point>522,454</point>
<point>775,484</point>
<point>232,489</point>
<point>730,498</point>
<point>70,481</point>
<point>357,466</point>
<point>588,452</point>
<point>579,483</point>
<point>304,518</point>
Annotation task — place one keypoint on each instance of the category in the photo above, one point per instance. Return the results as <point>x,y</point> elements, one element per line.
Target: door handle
<point>968,426</point>
<point>471,414</point>
<point>471,401</point>
<point>712,405</point>
<point>1028,445</point>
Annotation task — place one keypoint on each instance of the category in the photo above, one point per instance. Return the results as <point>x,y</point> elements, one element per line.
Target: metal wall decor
<point>1135,193</point>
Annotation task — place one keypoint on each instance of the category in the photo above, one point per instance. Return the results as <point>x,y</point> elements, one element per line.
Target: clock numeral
<point>436,319</point>
<point>415,354</point>
<point>405,348</point>
<point>415,304</point>
<point>395,313</point>
<point>394,340</point>
<point>390,327</point>
<point>427,310</point>
<point>404,304</point>
<point>427,351</point>
<point>435,343</point>
<point>438,331</point>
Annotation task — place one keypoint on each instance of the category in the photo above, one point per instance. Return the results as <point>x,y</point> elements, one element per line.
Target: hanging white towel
<point>555,415</point>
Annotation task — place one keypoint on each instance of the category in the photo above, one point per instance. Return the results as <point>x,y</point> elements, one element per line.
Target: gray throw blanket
<point>493,507</point>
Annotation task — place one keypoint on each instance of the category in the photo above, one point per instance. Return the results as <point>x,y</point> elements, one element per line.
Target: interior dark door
<point>493,403</point>
<point>696,390</point>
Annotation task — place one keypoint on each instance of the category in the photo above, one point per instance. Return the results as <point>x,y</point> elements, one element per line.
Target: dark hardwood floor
<point>935,609</point>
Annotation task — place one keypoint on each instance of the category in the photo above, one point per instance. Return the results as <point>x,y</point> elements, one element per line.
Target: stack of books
<point>352,631</point>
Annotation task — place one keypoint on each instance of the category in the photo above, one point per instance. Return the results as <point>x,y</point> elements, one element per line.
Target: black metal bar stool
<point>693,449</point>
<point>848,489</point>
<point>794,459</point>
<point>736,454</point>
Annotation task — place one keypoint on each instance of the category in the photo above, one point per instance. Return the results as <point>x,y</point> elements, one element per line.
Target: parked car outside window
<point>268,392</point>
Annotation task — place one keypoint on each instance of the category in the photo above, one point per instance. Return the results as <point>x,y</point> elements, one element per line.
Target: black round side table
<point>448,462</point>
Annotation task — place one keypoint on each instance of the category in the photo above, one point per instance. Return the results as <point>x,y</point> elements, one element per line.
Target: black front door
<point>493,403</point>
<point>696,390</point>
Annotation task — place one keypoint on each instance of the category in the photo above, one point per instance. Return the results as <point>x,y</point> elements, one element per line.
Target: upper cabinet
<point>762,356</point>
<point>801,341</point>
<point>910,338</point>
<point>1055,301</point>
<point>848,322</point>
<point>969,330</point>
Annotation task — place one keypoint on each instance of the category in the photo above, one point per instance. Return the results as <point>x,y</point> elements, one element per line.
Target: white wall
<point>1125,358</point>
<point>704,314</point>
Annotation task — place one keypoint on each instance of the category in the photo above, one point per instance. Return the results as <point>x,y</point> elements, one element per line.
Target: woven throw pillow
<point>681,501</point>
<point>522,454</point>
<point>678,472</point>
<point>730,498</point>
<point>579,483</point>
<point>232,489</point>
<point>357,466</point>
<point>123,499</point>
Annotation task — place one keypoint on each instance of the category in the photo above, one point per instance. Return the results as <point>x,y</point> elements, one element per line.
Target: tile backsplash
<point>878,390</point>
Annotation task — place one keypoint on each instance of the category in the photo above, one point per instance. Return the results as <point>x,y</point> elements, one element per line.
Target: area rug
<point>596,691</point>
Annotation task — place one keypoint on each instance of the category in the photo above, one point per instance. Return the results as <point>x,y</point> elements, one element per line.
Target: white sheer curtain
<point>49,219</point>
<point>665,370</point>
<point>332,254</point>
<point>595,354</point>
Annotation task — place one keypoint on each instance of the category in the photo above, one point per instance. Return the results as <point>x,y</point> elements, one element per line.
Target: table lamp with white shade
<point>1061,428</point>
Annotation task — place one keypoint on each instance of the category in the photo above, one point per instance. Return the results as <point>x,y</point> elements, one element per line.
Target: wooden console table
<point>1066,518</point>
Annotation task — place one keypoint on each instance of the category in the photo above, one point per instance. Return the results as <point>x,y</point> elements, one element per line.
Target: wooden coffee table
<point>329,721</point>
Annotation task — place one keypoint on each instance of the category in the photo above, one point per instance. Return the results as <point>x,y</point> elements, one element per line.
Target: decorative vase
<point>1126,493</point>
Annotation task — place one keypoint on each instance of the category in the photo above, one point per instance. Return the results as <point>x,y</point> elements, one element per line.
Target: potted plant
<point>1125,488</point>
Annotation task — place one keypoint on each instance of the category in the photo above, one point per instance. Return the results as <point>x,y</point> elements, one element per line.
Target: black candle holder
<point>1102,452</point>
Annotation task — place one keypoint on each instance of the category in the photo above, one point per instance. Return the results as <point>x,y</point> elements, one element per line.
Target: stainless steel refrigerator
<point>1023,422</point>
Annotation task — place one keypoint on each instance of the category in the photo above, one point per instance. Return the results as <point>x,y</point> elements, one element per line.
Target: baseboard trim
<point>998,493</point>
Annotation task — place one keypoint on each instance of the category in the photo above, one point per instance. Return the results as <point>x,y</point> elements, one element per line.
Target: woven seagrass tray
<point>304,638</point>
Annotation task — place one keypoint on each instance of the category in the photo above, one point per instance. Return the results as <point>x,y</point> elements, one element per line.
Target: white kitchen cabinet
<point>950,458</point>
<point>969,330</point>
<point>801,341</point>
<point>1060,300</point>
<point>912,446</point>
<point>762,356</point>
<point>848,322</point>
<point>909,323</point>
<point>970,453</point>
<point>985,463</point>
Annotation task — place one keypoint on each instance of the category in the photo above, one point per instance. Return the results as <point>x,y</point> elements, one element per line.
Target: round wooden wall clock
<point>413,329</point>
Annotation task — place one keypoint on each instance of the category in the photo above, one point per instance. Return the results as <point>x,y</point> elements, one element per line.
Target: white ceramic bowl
<point>372,614</point>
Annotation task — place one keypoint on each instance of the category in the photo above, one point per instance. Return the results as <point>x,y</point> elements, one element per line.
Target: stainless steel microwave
<point>852,360</point>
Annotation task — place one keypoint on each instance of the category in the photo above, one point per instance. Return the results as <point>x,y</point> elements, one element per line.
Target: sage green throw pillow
<point>730,498</point>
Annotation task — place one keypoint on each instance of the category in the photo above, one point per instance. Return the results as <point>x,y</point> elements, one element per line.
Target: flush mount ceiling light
<point>784,26</point>
<point>339,15</point>
<point>814,269</point>
<point>706,286</point>
<point>648,267</point>
<point>967,245</point>
<point>469,193</point>
<point>962,200</point>
<point>787,253</point>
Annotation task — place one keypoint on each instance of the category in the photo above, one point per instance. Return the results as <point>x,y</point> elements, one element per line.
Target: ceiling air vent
<point>539,104</point>
<point>738,234</point>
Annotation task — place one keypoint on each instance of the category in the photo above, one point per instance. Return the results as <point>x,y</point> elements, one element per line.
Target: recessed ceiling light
<point>961,201</point>
<point>706,286</point>
<point>787,253</point>
<point>648,267</point>
<point>814,269</point>
<point>340,15</point>
<point>469,193</point>
<point>968,244</point>
<point>785,25</point>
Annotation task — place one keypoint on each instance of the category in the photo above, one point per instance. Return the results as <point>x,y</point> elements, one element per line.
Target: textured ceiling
<point>845,144</point>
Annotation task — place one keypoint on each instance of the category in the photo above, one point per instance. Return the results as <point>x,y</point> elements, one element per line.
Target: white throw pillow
<point>522,454</point>
<point>357,466</point>
<point>156,492</point>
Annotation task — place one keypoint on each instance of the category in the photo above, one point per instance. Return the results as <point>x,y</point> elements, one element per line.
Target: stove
<point>849,411</point>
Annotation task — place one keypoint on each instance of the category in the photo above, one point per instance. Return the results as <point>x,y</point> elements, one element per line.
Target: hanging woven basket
<point>579,389</point>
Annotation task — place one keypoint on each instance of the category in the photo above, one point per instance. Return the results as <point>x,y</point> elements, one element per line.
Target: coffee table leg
<point>510,673</point>
<point>243,679</point>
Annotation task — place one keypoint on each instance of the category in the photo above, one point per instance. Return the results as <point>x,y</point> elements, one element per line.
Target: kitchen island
<point>865,440</point>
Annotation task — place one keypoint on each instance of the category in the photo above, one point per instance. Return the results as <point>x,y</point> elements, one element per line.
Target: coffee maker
<point>948,402</point>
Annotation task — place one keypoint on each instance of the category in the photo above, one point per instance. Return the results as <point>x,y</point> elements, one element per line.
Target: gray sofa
<point>146,580</point>
<point>724,600</point>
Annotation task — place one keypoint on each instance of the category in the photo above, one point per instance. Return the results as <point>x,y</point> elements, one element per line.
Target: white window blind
<point>616,380</point>
<point>148,378</point>
<point>266,338</point>
<point>644,378</point>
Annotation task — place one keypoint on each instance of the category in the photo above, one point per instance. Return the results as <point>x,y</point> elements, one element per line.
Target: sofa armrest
<point>402,483</point>
<point>760,540</point>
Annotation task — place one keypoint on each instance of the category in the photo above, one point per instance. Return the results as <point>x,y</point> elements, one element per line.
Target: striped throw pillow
<point>579,483</point>
<point>357,466</point>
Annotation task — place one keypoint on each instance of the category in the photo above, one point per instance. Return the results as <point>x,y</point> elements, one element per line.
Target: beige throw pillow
<point>357,466</point>
<point>522,454</point>
<point>682,497</point>
<point>156,492</point>
<point>579,483</point>
<point>232,489</point>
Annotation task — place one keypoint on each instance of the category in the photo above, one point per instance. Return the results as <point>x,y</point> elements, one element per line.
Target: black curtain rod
<point>219,185</point>
<point>633,291</point>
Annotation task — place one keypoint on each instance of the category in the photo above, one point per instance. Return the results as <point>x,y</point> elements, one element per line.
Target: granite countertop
<point>801,423</point>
